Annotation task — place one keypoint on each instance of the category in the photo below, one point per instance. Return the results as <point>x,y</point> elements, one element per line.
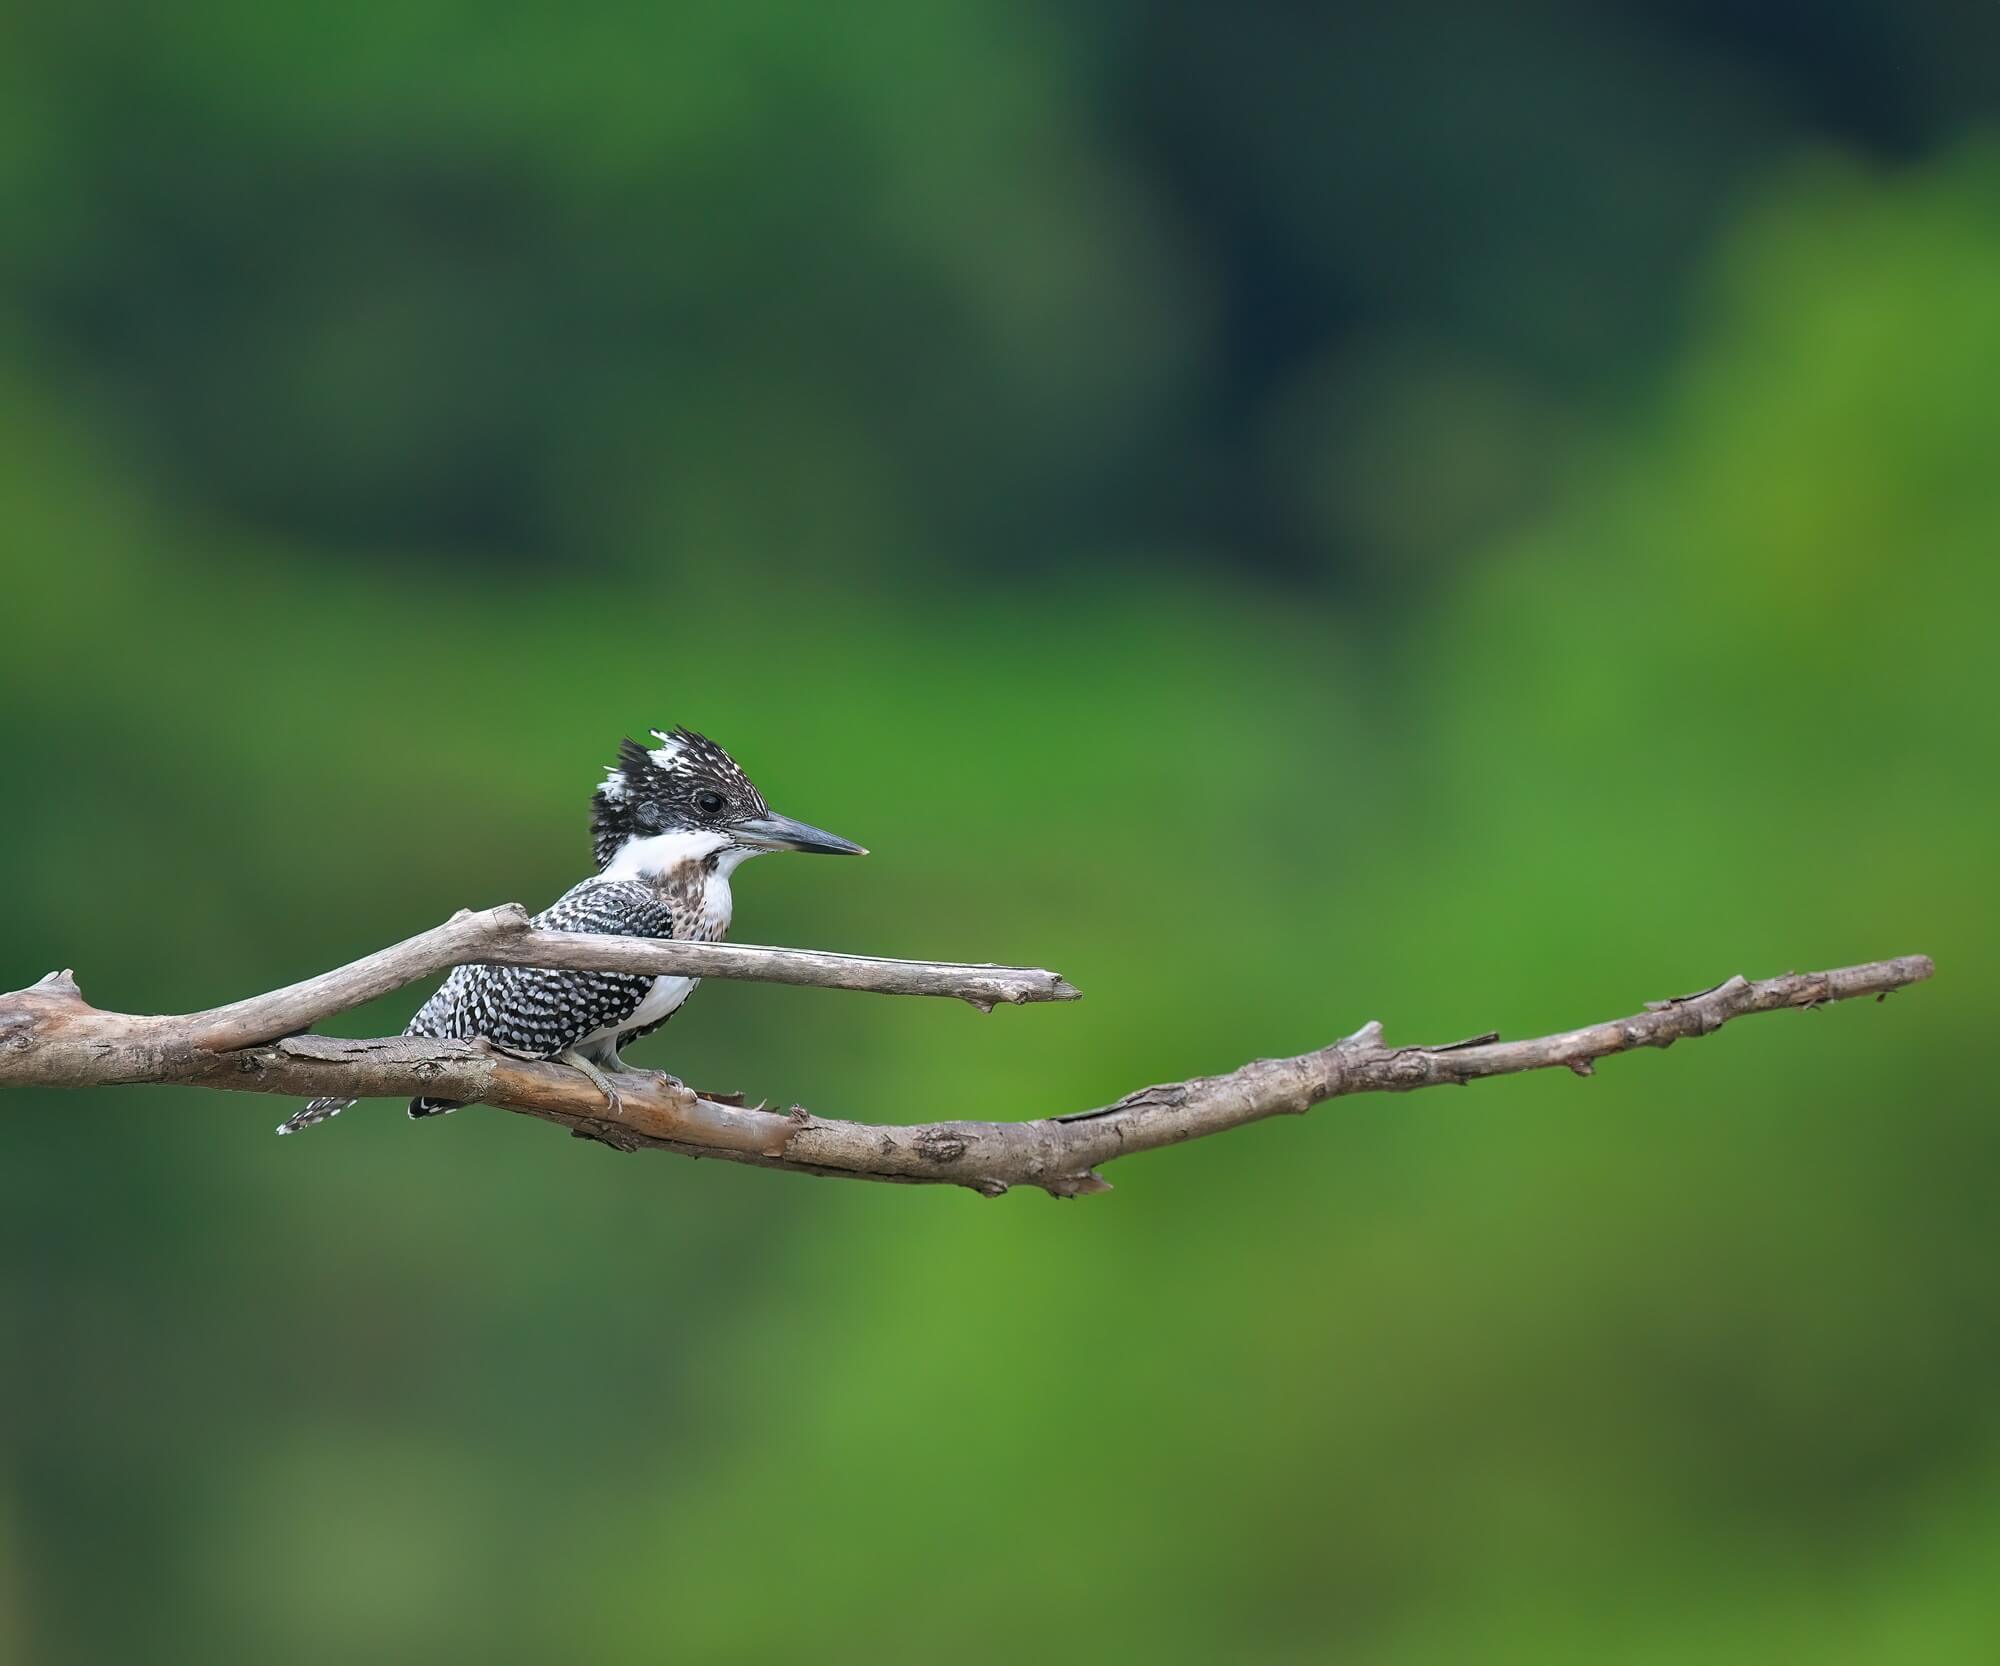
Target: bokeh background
<point>1458,515</point>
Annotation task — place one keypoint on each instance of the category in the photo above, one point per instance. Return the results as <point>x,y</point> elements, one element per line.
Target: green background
<point>1287,517</point>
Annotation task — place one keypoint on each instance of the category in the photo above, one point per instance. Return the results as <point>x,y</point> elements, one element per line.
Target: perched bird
<point>669,826</point>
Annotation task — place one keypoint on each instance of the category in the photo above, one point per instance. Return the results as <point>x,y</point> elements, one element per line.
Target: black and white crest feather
<point>666,787</point>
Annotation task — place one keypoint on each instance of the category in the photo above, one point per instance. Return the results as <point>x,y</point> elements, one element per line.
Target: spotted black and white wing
<point>539,1013</point>
<point>532,1011</point>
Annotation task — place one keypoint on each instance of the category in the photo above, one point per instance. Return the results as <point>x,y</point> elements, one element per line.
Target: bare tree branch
<point>503,936</point>
<point>51,1037</point>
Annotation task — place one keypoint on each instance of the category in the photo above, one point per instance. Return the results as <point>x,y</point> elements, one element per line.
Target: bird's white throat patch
<point>693,864</point>
<point>663,852</point>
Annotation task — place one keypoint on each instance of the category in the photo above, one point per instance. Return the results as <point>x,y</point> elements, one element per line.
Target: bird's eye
<point>708,803</point>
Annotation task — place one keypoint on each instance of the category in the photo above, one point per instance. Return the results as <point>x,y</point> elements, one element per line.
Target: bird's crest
<point>662,788</point>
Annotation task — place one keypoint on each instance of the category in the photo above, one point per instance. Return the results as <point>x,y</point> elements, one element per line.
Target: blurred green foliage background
<point>1290,515</point>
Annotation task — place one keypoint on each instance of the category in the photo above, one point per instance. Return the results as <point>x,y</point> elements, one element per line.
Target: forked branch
<point>51,1037</point>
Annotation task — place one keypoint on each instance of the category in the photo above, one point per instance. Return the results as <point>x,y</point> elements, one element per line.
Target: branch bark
<point>504,936</point>
<point>51,1037</point>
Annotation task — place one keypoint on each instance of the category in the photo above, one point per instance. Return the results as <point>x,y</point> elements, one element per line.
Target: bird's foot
<point>613,1102</point>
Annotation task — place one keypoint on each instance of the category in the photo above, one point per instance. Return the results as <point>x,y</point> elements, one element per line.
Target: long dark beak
<point>776,832</point>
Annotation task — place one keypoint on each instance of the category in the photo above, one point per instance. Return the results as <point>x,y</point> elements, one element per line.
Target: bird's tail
<point>318,1111</point>
<point>322,1110</point>
<point>433,1107</point>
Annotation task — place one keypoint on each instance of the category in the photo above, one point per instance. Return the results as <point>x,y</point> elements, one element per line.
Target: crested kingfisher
<point>669,825</point>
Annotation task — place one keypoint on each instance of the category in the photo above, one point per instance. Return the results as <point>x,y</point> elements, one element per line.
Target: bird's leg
<point>577,1062</point>
<point>665,1077</point>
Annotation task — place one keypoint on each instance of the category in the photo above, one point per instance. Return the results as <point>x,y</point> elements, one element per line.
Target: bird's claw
<point>614,1105</point>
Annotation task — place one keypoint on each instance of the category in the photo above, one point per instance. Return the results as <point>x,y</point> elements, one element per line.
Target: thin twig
<point>503,936</point>
<point>50,1037</point>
